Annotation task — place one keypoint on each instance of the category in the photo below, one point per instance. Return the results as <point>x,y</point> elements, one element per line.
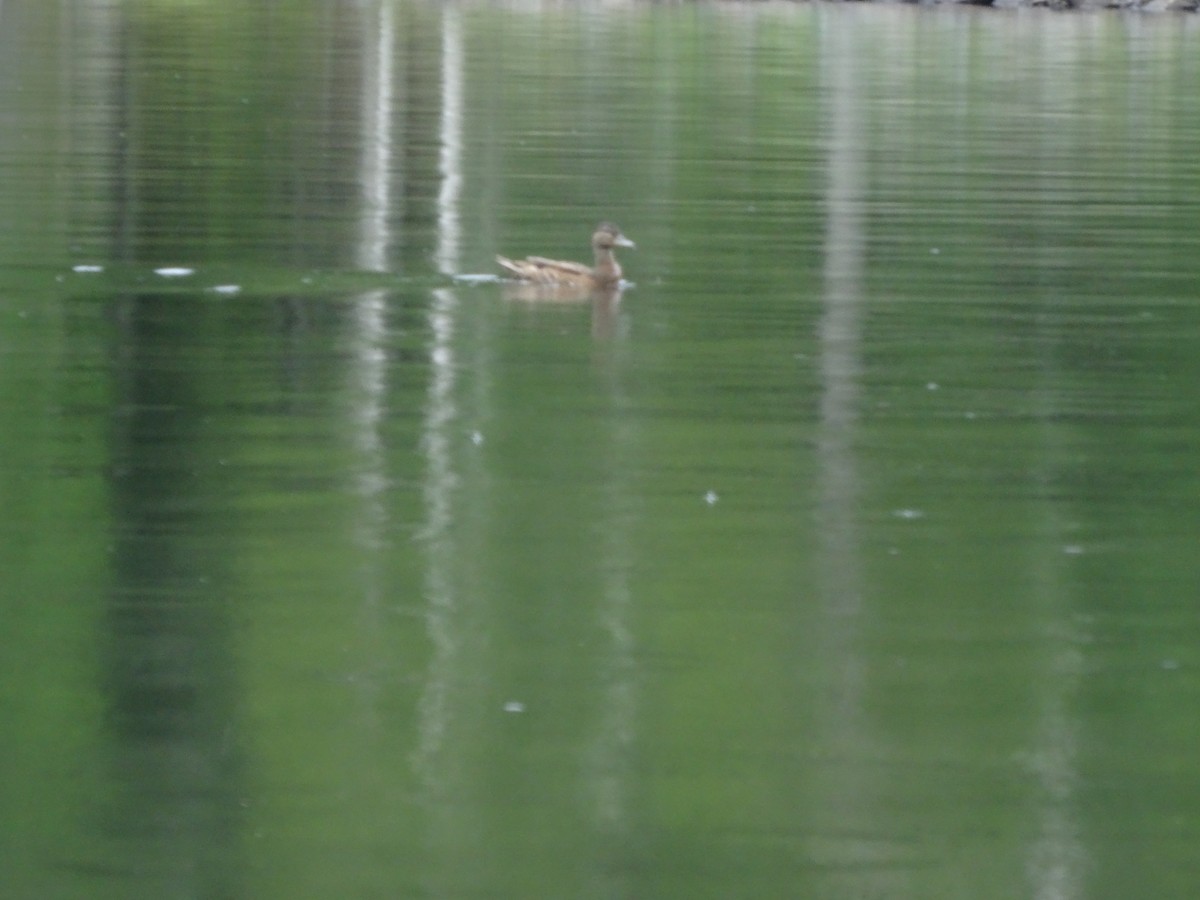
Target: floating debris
<point>226,290</point>
<point>174,271</point>
<point>711,497</point>
<point>87,269</point>
<point>476,438</point>
<point>514,706</point>
<point>908,514</point>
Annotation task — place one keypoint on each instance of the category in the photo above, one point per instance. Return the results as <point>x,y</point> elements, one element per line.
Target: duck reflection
<point>605,302</point>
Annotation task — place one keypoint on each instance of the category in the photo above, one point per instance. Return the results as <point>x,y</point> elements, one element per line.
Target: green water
<point>851,553</point>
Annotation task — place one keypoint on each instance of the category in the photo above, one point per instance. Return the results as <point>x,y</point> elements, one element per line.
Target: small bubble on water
<point>514,706</point>
<point>711,497</point>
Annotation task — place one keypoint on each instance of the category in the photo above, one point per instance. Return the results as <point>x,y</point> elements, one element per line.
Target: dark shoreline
<point>1186,6</point>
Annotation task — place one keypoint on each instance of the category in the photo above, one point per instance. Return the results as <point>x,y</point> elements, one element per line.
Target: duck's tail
<point>505,263</point>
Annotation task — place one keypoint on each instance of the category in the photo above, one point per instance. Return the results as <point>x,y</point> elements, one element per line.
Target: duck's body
<point>606,273</point>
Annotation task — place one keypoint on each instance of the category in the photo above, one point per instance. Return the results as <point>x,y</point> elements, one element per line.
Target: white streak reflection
<point>369,360</point>
<point>366,387</point>
<point>441,477</point>
<point>450,156</point>
<point>846,797</point>
<point>607,770</point>
<point>375,165</point>
<point>1056,859</point>
<point>840,368</point>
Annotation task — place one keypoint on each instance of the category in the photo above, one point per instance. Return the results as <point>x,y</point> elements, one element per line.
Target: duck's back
<point>546,271</point>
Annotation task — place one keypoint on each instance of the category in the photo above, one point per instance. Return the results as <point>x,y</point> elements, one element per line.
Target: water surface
<point>849,553</point>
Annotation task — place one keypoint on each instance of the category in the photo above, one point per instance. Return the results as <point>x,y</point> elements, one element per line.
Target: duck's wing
<point>539,268</point>
<point>558,265</point>
<point>515,266</point>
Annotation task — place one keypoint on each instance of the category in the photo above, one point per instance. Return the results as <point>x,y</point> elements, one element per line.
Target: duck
<point>605,274</point>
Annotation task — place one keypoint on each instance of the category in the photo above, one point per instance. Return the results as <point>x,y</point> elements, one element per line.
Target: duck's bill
<point>623,241</point>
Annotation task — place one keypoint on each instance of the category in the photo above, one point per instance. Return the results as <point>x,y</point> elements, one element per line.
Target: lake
<point>850,551</point>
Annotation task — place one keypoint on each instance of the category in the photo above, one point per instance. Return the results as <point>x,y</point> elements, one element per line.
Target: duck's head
<point>607,235</point>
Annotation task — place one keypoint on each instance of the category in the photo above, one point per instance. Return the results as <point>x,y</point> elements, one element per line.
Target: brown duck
<point>606,273</point>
